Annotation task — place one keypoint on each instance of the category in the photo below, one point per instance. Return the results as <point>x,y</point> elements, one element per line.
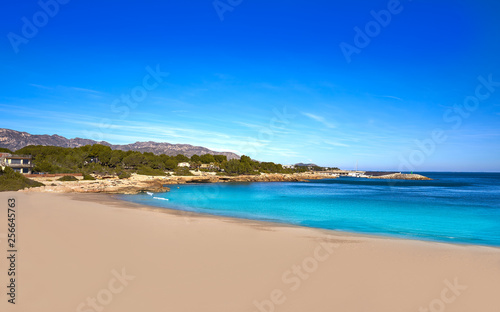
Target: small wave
<point>160,198</point>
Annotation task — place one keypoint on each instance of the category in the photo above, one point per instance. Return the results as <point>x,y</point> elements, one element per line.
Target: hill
<point>305,165</point>
<point>15,140</point>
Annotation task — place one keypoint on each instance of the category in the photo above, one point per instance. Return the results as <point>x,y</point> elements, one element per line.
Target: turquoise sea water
<point>454,207</point>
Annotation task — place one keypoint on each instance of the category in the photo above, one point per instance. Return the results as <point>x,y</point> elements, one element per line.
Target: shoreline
<point>159,184</point>
<point>178,212</point>
<point>156,184</point>
<point>113,200</point>
<point>182,261</point>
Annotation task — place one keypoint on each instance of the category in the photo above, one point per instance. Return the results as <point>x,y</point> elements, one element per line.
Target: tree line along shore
<point>96,161</point>
<point>98,168</point>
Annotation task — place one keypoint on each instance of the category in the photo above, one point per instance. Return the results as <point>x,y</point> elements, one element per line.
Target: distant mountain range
<point>305,165</point>
<point>15,140</point>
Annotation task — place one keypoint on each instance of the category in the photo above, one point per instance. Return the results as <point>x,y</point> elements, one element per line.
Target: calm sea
<point>454,207</point>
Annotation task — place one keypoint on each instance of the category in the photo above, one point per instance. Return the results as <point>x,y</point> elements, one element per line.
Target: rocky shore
<point>141,183</point>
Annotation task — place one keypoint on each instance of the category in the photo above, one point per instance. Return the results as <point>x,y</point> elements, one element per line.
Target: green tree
<point>181,158</point>
<point>134,160</point>
<point>150,171</point>
<point>170,164</point>
<point>98,150</point>
<point>244,168</point>
<point>207,158</point>
<point>195,158</point>
<point>232,166</point>
<point>105,156</point>
<point>116,158</point>
<point>45,166</point>
<point>245,159</point>
<point>220,158</point>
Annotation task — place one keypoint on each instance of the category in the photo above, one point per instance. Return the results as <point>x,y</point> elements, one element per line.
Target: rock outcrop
<point>140,183</point>
<point>110,186</point>
<point>402,176</point>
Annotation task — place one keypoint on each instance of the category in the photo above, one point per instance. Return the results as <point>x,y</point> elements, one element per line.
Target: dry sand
<point>73,248</point>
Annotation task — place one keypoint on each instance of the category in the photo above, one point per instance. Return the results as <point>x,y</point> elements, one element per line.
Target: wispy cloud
<point>17,110</point>
<point>40,86</point>
<point>368,155</point>
<point>248,125</point>
<point>393,97</point>
<point>387,96</point>
<point>265,128</point>
<point>265,85</point>
<point>85,90</point>
<point>319,119</point>
<point>335,143</point>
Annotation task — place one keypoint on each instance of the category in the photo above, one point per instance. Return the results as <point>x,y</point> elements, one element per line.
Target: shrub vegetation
<point>14,181</point>
<point>88,177</point>
<point>67,179</point>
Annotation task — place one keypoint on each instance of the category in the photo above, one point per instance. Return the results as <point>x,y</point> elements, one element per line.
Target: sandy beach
<point>92,252</point>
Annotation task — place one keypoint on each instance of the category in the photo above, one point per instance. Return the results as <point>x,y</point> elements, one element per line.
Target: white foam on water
<point>160,198</point>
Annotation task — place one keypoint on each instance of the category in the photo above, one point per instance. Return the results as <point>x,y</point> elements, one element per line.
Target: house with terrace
<point>20,163</point>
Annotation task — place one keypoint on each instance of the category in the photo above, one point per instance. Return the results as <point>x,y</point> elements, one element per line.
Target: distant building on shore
<point>289,166</point>
<point>92,160</point>
<point>183,164</point>
<point>20,163</point>
<point>210,166</point>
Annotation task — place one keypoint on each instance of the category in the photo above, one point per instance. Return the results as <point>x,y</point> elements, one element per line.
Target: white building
<point>20,163</point>
<point>183,164</point>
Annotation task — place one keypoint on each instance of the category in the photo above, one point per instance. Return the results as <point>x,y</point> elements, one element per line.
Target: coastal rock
<point>402,176</point>
<point>141,183</point>
<point>110,186</point>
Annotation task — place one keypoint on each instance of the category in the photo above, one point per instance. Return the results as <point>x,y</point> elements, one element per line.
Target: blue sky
<point>270,80</point>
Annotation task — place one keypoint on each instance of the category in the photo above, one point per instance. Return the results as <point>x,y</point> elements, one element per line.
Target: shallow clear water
<point>454,207</point>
